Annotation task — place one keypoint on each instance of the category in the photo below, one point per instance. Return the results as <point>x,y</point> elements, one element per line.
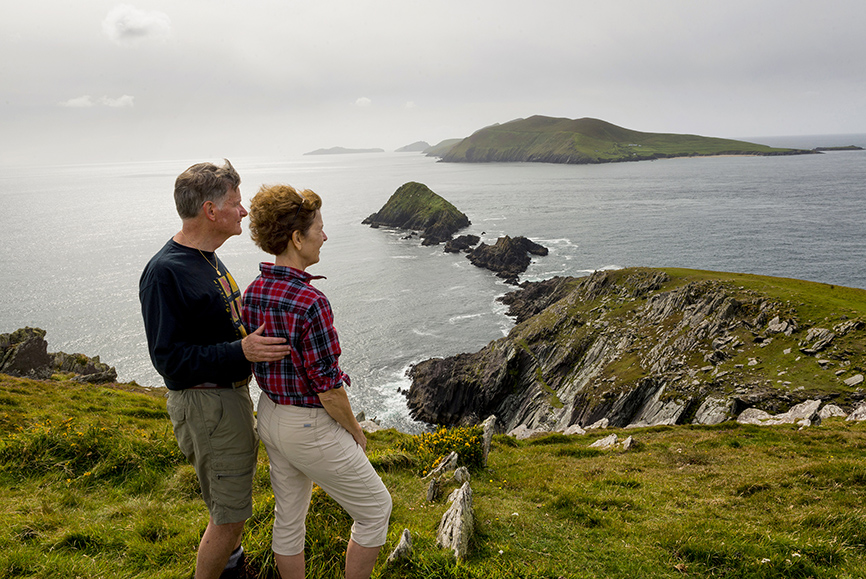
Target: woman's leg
<point>292,566</point>
<point>359,560</point>
<point>281,430</point>
<point>345,473</point>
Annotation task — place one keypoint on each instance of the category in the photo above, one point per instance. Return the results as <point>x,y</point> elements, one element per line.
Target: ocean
<point>77,237</point>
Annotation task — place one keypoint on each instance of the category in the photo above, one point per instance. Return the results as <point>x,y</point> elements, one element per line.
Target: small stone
<point>457,523</point>
<point>598,424</point>
<point>574,429</point>
<point>854,380</point>
<point>461,475</point>
<point>403,549</point>
<point>434,490</point>
<point>606,442</point>
<point>488,426</point>
<point>830,411</point>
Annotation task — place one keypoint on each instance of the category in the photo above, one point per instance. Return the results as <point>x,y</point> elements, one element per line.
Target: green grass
<point>723,501</point>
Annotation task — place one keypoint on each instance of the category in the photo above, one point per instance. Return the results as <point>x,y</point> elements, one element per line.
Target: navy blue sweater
<point>192,318</point>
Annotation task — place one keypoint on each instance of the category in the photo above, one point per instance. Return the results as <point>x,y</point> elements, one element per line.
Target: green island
<point>416,207</point>
<point>582,141</point>
<point>842,148</point>
<point>92,483</point>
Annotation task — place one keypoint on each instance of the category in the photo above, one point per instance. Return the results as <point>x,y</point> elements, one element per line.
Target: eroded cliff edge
<point>647,346</point>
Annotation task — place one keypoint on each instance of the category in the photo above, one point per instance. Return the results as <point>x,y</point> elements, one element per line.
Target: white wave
<point>419,332</point>
<point>455,319</point>
<point>558,242</point>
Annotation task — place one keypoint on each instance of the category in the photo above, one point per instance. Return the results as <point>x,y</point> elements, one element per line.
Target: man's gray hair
<point>203,182</point>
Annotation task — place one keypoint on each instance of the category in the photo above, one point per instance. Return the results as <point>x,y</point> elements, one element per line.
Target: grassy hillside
<point>92,485</point>
<point>552,140</point>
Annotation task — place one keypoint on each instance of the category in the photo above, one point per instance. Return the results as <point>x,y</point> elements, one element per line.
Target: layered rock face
<point>637,348</point>
<point>414,206</point>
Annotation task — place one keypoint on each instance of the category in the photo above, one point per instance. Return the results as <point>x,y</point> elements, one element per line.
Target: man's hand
<point>260,348</point>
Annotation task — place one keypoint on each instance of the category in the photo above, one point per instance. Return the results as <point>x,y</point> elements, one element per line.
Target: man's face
<point>229,213</point>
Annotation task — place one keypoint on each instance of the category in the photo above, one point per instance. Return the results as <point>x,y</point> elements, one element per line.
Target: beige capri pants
<point>306,445</point>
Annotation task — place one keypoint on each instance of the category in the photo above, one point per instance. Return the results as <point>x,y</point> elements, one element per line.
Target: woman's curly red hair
<point>277,211</point>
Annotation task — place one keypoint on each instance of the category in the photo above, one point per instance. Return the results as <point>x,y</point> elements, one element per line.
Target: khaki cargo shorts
<point>216,431</point>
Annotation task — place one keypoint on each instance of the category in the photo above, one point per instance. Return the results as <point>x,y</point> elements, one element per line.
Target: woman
<point>305,419</point>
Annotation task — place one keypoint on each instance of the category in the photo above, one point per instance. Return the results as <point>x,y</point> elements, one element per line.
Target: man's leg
<point>216,546</point>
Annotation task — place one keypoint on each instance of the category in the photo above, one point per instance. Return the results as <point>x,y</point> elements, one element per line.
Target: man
<point>197,342</point>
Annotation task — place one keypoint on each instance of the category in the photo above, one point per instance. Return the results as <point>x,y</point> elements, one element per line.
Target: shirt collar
<point>286,272</point>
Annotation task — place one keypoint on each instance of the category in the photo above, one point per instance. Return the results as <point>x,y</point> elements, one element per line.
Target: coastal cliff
<point>414,206</point>
<point>541,139</point>
<point>639,347</point>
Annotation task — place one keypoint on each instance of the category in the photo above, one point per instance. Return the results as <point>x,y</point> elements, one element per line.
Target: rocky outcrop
<point>462,243</point>
<point>414,206</point>
<point>508,258</point>
<point>24,353</point>
<point>637,347</point>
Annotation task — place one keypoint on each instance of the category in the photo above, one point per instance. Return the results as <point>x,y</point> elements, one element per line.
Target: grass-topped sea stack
<point>414,206</point>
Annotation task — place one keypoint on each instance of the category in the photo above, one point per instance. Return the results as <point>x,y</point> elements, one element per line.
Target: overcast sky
<point>94,81</point>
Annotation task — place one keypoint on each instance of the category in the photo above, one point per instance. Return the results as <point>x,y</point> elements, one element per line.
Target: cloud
<point>123,102</point>
<point>81,102</point>
<point>363,102</point>
<point>410,105</point>
<point>125,24</point>
<point>86,101</point>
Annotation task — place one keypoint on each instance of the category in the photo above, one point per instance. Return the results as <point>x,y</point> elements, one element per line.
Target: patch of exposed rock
<point>24,353</point>
<point>461,243</point>
<point>508,257</point>
<point>636,348</point>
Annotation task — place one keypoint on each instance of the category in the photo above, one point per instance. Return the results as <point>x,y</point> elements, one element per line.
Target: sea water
<point>77,237</point>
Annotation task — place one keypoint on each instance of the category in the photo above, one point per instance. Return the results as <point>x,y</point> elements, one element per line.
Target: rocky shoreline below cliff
<point>643,347</point>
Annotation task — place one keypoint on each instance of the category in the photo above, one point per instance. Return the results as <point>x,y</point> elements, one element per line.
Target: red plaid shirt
<point>283,298</point>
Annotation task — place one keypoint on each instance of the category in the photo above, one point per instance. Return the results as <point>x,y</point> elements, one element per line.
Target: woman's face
<point>312,241</point>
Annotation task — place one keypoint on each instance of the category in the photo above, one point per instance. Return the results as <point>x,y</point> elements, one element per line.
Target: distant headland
<point>342,151</point>
<point>543,139</point>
